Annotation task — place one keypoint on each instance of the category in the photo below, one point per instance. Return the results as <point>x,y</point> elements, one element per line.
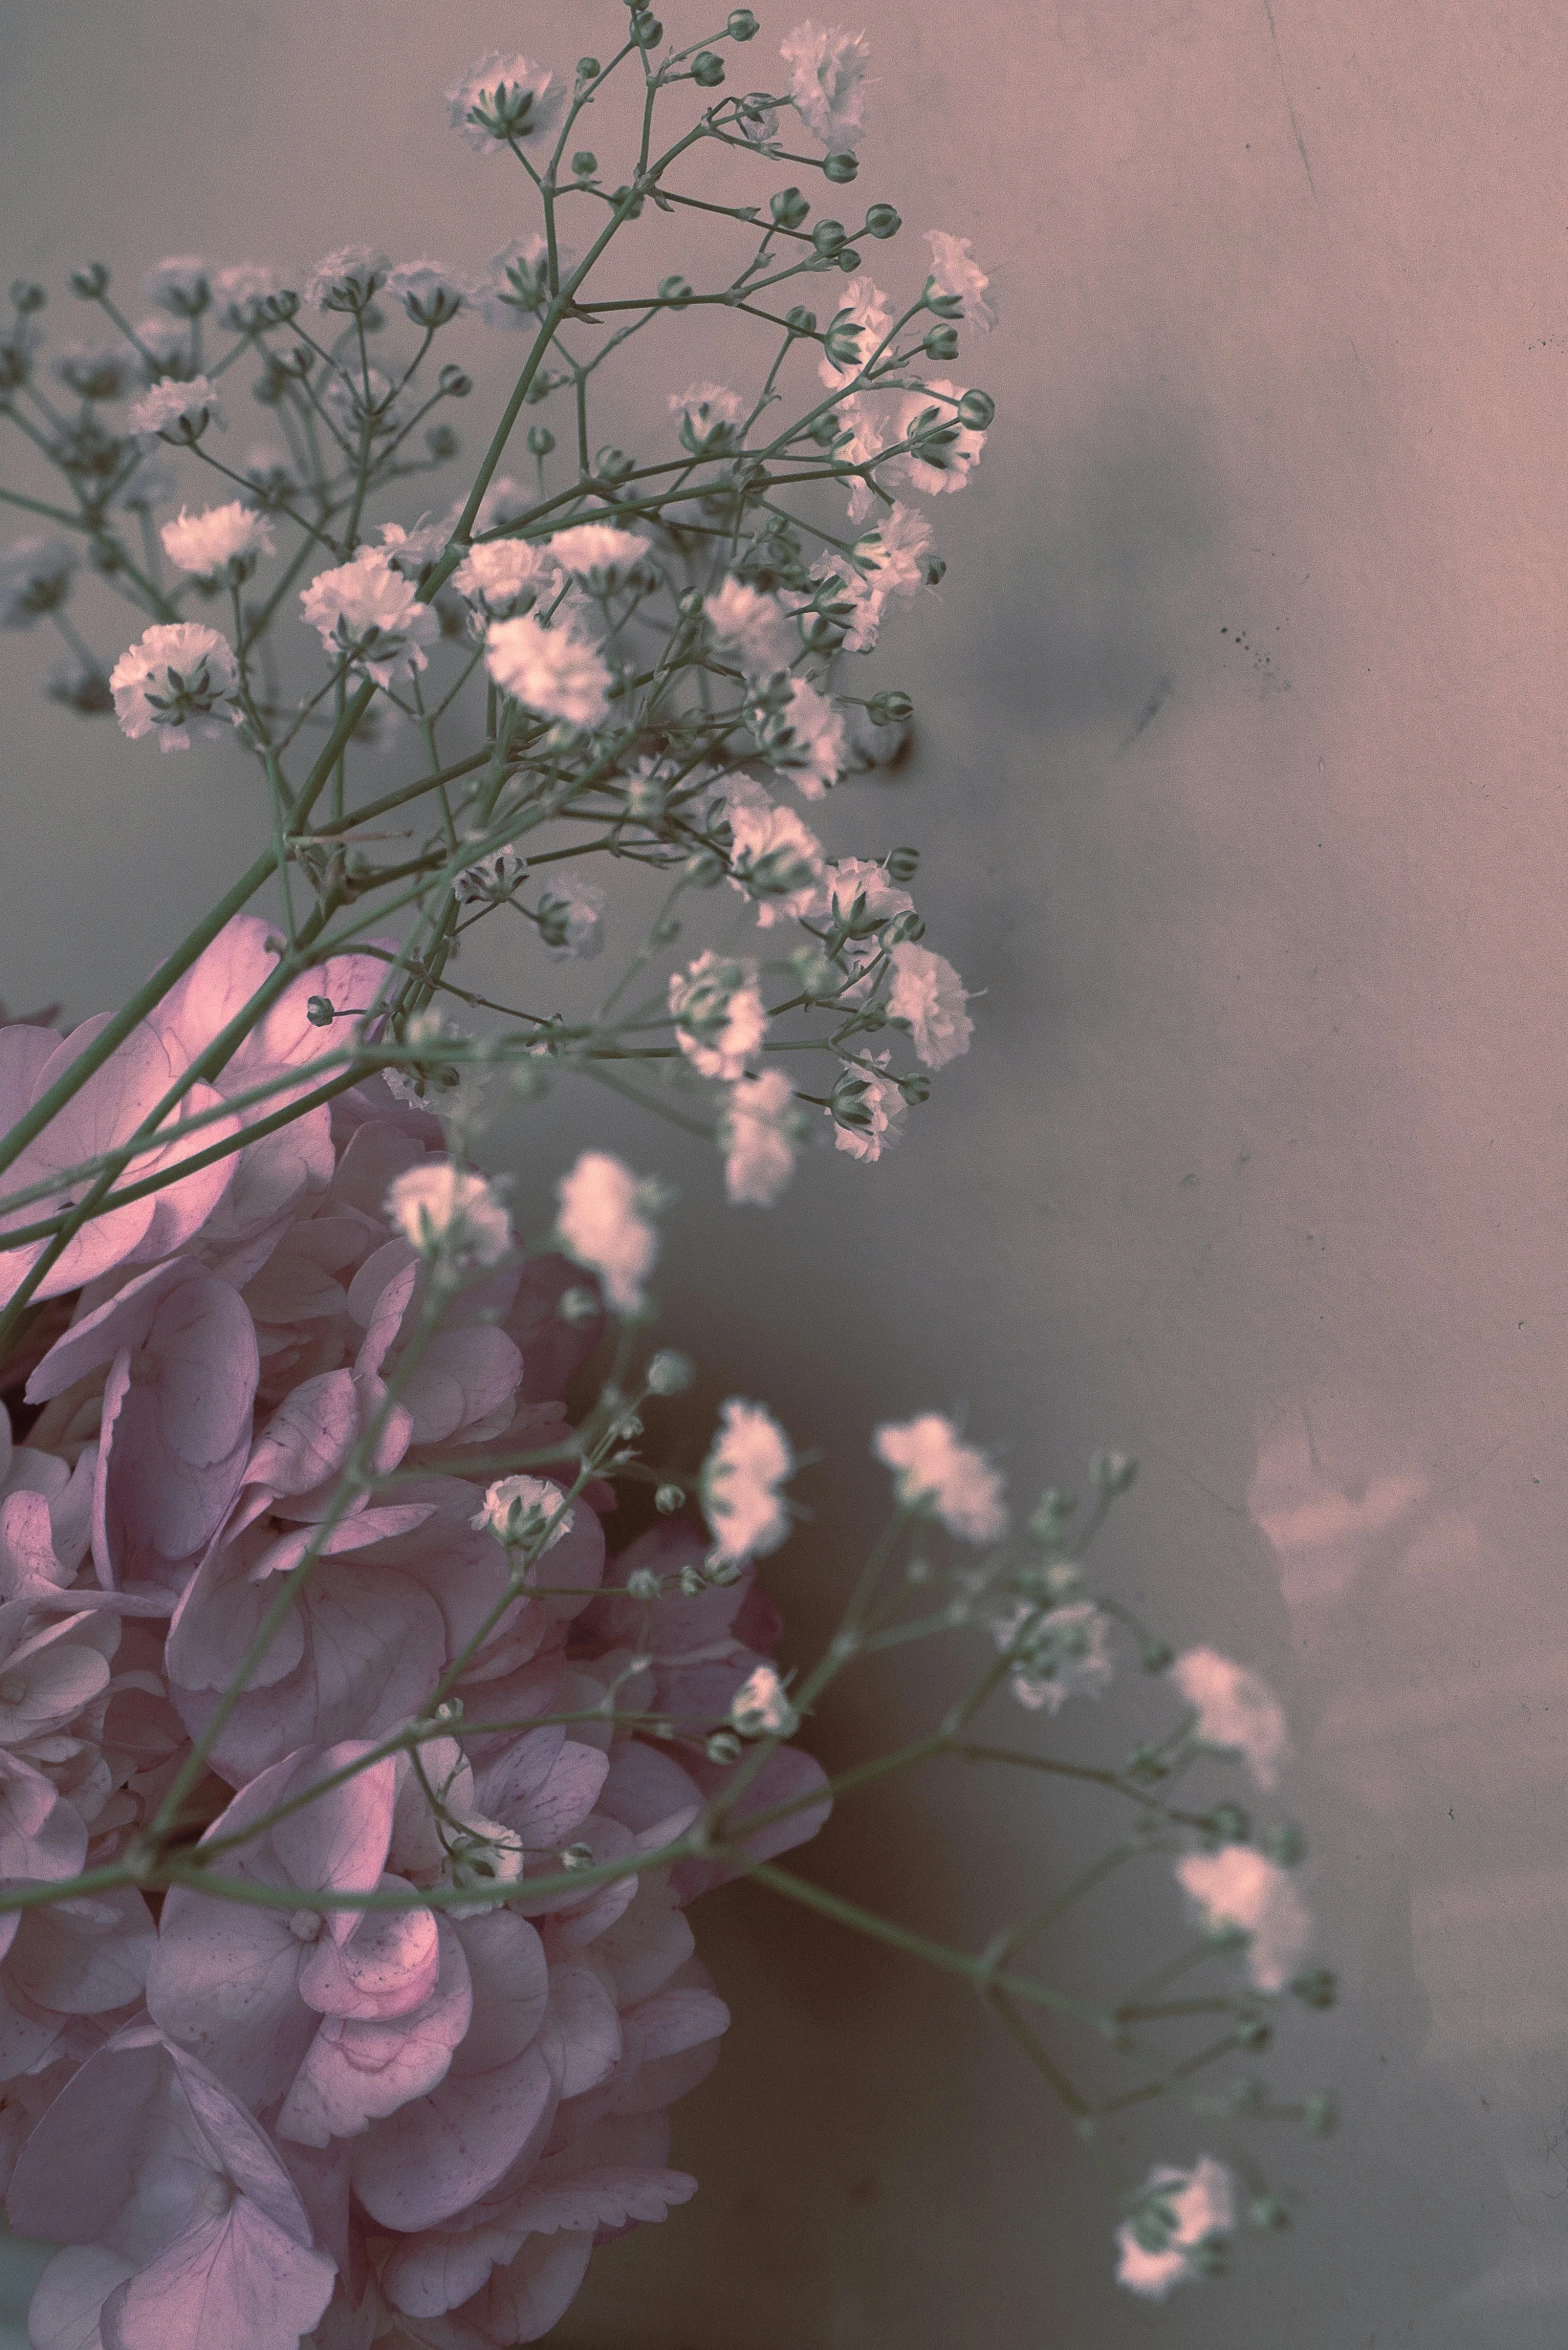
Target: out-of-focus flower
<point>243,292</point>
<point>513,289</point>
<point>755,624</point>
<point>96,371</point>
<point>929,996</point>
<point>447,1211</point>
<point>602,1222</point>
<point>959,282</point>
<point>35,578</point>
<point>1058,1652</point>
<point>1237,1711</point>
<point>758,1133</point>
<point>1179,2213</point>
<point>366,609</point>
<point>1245,1890</point>
<point>518,1510</point>
<point>182,285</point>
<point>934,1472</point>
<point>708,416</point>
<point>219,541</point>
<point>430,295</point>
<point>760,1707</point>
<point>571,919</point>
<point>748,1460</point>
<point>502,101</point>
<point>503,577</point>
<point>347,279</point>
<point>720,1018</point>
<point>178,678</point>
<point>553,671</point>
<point>177,412</point>
<point>827,81</point>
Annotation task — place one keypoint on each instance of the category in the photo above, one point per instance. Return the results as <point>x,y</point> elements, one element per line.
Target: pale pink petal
<point>437,2154</point>
<point>86,1956</point>
<point>308,1437</point>
<point>360,2070</point>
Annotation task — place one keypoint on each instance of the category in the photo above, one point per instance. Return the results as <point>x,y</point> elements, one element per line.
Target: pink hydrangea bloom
<point>249,2120</point>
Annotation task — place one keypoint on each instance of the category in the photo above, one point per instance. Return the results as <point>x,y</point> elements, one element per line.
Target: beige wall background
<point>1240,777</point>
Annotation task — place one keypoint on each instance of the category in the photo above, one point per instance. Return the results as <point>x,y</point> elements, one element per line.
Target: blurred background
<point>1239,781</point>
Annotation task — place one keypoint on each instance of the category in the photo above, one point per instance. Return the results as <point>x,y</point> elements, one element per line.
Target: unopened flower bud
<point>1156,1656</point>
<point>936,570</point>
<point>724,1747</point>
<point>1286,1844</point>
<point>904,927</point>
<point>1317,1988</point>
<point>585,163</point>
<point>89,283</point>
<point>669,1373</point>
<point>800,320</point>
<point>741,25</point>
<point>541,440</point>
<point>789,208</point>
<point>883,221</point>
<point>577,1856</point>
<point>915,1088</point>
<point>454,383</point>
<point>828,236</point>
<point>707,69</point>
<point>319,1011</point>
<point>902,865</point>
<point>1229,1824</point>
<point>890,708</point>
<point>848,258</point>
<point>613,464</point>
<point>692,1581</point>
<point>577,1305</point>
<point>645,29</point>
<point>26,296</point>
<point>722,1572</point>
<point>1113,1472</point>
<point>976,410</point>
<point>442,442</point>
<point>676,290</point>
<point>840,168</point>
<point>588,69</point>
<point>643,1584</point>
<point>1268,2212</point>
<point>941,343</point>
<point>1252,2033</point>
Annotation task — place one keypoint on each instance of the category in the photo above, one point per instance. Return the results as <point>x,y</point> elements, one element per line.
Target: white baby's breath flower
<point>863,896</point>
<point>219,541</point>
<point>503,577</point>
<point>571,919</point>
<point>1237,1712</point>
<point>164,348</point>
<point>178,678</point>
<point>1245,1890</point>
<point>867,1110</point>
<point>363,403</point>
<point>242,294</point>
<point>1178,2211</point>
<point>868,421</point>
<point>411,547</point>
<point>827,81</point>
<point>518,1509</point>
<point>857,331</point>
<point>934,1472</point>
<point>760,1707</point>
<point>755,624</point>
<point>429,295</point>
<point>270,473</point>
<point>490,878</point>
<point>748,1460</point>
<point>775,859</point>
<point>177,412</point>
<point>501,101</point>
<point>553,671</point>
<point>945,451</point>
<point>601,556</point>
<point>720,1018</point>
<point>929,996</point>
<point>602,1222</point>
<point>513,288</point>
<point>708,416</point>
<point>805,739</point>
<point>369,611</point>
<point>758,1134</point>
<point>446,1211</point>
<point>347,279</point>
<point>35,578</point>
<point>1058,1652</point>
<point>182,284</point>
<point>959,282</point>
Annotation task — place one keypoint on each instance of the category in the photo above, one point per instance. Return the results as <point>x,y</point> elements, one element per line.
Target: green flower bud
<point>588,69</point>
<point>789,208</point>
<point>890,708</point>
<point>669,1373</point>
<point>902,865</point>
<point>442,442</point>
<point>1252,2032</point>
<point>1228,1824</point>
<point>1113,1472</point>
<point>1268,2212</point>
<point>883,221</point>
<point>577,1305</point>
<point>632,202</point>
<point>723,1572</point>
<point>454,383</point>
<point>642,1583</point>
<point>319,1011</point>
<point>27,297</point>
<point>577,1856</point>
<point>541,440</point>
<point>1316,1989</point>
<point>613,464</point>
<point>667,1500</point>
<point>800,320</point>
<point>840,169</point>
<point>1156,1656</point>
<point>585,163</point>
<point>828,235</point>
<point>645,29</point>
<point>741,25</point>
<point>707,69</point>
<point>676,290</point>
<point>1286,1844</point>
<point>87,284</point>
<point>936,570</point>
<point>976,409</point>
<point>915,1089</point>
<point>724,1747</point>
<point>847,258</point>
<point>941,343</point>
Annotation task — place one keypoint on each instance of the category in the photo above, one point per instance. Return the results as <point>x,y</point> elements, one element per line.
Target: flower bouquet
<point>378,1695</point>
